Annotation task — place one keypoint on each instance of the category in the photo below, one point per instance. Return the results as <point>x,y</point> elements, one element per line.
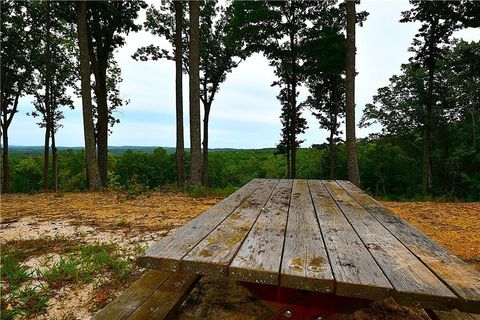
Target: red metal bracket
<point>288,303</point>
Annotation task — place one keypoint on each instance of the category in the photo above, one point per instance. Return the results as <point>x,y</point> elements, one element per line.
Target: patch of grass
<point>102,256</point>
<point>68,269</point>
<point>28,300</point>
<point>92,260</point>
<point>12,270</point>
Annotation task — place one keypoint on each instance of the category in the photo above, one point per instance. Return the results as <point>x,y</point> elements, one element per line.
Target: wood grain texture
<point>451,315</point>
<point>413,282</point>
<point>458,275</point>
<point>356,272</point>
<point>213,254</point>
<point>166,253</point>
<point>134,296</point>
<point>305,262</point>
<point>164,302</point>
<point>259,257</point>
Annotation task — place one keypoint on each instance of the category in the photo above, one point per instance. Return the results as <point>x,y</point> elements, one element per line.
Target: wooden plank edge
<point>253,275</point>
<point>362,291</point>
<point>176,289</point>
<point>310,284</point>
<point>204,268</point>
<point>160,263</point>
<point>450,315</point>
<point>122,309</point>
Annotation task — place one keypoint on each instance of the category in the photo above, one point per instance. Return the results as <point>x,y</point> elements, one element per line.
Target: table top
<point>318,235</point>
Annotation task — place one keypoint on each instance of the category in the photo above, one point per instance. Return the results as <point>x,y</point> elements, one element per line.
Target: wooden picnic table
<point>311,247</point>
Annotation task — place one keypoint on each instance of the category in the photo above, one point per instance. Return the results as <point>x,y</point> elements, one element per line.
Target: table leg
<point>288,303</point>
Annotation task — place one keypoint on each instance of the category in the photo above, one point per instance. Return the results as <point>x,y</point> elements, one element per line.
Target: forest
<point>427,146</point>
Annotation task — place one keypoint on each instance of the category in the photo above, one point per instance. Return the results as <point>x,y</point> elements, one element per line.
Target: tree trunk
<point>333,127</point>
<point>205,145</point>
<point>88,129</point>
<point>54,148</point>
<point>102,121</point>
<point>46,151</point>
<point>426,176</point>
<point>54,160</point>
<point>5,123</point>
<point>194,57</point>
<point>331,159</point>
<point>6,182</point>
<point>353,174</point>
<point>48,110</point>
<point>179,94</point>
<point>293,97</point>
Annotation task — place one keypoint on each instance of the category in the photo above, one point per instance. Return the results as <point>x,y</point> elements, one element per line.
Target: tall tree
<point>222,49</point>
<point>194,87</point>
<point>57,73</point>
<point>280,30</point>
<point>48,80</point>
<point>353,174</point>
<point>20,37</point>
<point>179,93</point>
<point>324,66</point>
<point>93,174</point>
<point>108,22</point>
<point>428,46</point>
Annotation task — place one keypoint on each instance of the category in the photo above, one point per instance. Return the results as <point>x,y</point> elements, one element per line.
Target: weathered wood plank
<point>451,315</point>
<point>356,272</point>
<point>164,302</point>
<point>166,253</point>
<point>133,297</point>
<point>458,275</point>
<point>305,262</point>
<point>259,257</point>
<point>213,254</point>
<point>413,282</point>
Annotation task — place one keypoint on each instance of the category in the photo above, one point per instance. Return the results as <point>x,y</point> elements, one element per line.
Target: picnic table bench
<point>308,249</point>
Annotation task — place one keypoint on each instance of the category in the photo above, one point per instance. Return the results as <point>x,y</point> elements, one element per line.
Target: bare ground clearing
<point>47,227</point>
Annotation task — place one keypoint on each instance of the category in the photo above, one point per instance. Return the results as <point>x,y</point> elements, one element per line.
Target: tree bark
<point>179,94</point>
<point>353,174</point>
<point>194,82</point>
<point>5,124</point>
<point>54,148</point>
<point>293,101</point>
<point>54,160</point>
<point>102,121</point>
<point>46,151</point>
<point>331,159</point>
<point>88,128</point>
<point>6,182</point>
<point>205,145</point>
<point>426,176</point>
<point>48,111</point>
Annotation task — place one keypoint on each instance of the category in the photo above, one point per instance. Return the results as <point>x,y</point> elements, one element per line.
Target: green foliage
<point>390,166</point>
<point>12,270</point>
<point>82,267</point>
<point>27,175</point>
<point>28,300</point>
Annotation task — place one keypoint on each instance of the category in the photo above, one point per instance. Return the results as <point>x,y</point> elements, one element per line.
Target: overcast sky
<point>245,113</point>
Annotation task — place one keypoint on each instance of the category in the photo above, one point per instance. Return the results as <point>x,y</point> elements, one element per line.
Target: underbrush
<point>26,292</point>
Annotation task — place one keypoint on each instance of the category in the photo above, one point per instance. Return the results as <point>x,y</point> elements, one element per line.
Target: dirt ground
<point>134,224</point>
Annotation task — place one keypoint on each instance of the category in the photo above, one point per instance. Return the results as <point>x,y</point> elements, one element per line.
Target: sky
<point>245,112</point>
